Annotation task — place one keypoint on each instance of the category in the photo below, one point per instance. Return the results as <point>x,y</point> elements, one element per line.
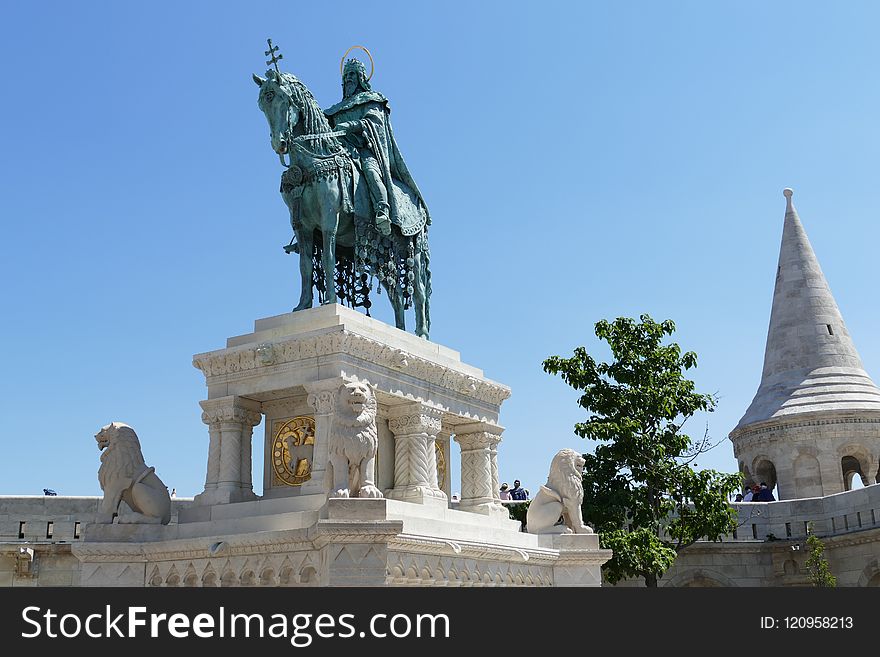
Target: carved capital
<point>414,418</point>
<point>231,409</point>
<point>322,395</point>
<point>478,440</point>
<point>323,402</point>
<point>478,435</point>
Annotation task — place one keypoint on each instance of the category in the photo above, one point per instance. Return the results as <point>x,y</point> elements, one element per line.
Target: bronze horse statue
<point>330,209</point>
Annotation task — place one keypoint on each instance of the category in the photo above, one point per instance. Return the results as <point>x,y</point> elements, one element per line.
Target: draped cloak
<point>372,110</point>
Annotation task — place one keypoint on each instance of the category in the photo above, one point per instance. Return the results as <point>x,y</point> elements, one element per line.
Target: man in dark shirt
<point>517,493</point>
<point>764,494</point>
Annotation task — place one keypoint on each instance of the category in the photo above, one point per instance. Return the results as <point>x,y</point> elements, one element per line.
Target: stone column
<point>213,453</point>
<point>479,467</point>
<point>415,427</point>
<point>247,468</point>
<point>493,456</point>
<point>322,399</point>
<point>231,421</point>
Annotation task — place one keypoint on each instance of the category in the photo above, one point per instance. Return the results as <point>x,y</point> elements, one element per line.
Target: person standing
<point>504,493</point>
<point>764,494</point>
<point>517,492</point>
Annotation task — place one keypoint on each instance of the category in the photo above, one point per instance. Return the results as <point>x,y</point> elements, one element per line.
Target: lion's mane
<point>122,458</point>
<point>566,476</point>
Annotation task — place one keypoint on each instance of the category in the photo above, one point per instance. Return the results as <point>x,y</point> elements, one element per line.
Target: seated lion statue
<point>124,477</point>
<point>354,441</point>
<point>560,498</point>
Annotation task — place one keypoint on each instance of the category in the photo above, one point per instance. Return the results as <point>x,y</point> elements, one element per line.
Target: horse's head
<point>281,111</point>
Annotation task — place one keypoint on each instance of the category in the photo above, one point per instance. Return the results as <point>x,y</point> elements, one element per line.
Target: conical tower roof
<point>810,363</point>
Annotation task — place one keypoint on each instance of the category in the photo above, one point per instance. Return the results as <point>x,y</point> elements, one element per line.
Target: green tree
<point>817,564</point>
<point>642,491</point>
<point>518,511</point>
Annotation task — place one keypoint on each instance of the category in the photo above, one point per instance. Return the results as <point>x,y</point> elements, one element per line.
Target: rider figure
<point>363,114</point>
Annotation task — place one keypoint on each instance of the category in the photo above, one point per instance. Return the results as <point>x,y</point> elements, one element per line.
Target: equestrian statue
<point>359,220</point>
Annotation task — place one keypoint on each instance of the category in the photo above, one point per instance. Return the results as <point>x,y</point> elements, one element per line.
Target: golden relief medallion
<point>292,450</point>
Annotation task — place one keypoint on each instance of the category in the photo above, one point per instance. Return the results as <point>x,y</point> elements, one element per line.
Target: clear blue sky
<point>581,161</point>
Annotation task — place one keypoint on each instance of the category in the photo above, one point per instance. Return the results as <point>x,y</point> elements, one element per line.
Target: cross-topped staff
<point>271,53</point>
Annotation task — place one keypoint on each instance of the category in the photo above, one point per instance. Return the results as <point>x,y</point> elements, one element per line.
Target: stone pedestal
<point>580,559</point>
<point>296,365</point>
<point>358,542</point>
<point>299,360</point>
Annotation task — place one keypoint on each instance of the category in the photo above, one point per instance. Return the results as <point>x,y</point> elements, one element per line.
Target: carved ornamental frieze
<point>229,364</point>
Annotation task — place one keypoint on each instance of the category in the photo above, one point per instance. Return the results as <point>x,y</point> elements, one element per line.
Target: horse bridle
<point>302,138</point>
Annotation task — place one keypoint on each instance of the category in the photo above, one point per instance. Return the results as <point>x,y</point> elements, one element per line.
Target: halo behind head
<point>342,61</point>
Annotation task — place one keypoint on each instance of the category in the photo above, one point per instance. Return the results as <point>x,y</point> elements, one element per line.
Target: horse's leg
<point>395,295</point>
<point>419,300</point>
<point>329,223</point>
<point>305,238</point>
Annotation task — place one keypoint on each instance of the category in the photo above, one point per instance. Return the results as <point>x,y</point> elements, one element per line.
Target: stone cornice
<point>354,531</point>
<point>326,533</point>
<point>861,536</point>
<point>774,431</point>
<point>804,420</point>
<point>410,543</point>
<point>276,542</point>
<point>238,362</point>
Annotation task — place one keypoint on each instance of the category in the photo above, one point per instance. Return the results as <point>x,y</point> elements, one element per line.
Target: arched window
<point>765,472</point>
<point>853,477</point>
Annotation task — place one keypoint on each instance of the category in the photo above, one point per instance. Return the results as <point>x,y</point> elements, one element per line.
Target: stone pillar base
<point>580,558</point>
<point>484,507</point>
<point>417,495</point>
<point>224,496</point>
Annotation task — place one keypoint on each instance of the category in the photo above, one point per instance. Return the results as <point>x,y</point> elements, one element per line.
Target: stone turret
<point>814,423</point>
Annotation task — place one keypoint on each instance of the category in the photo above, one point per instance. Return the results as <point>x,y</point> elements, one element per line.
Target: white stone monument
<point>336,389</point>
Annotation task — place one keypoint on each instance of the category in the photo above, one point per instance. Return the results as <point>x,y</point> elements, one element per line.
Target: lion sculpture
<point>124,477</point>
<point>354,442</point>
<point>560,498</point>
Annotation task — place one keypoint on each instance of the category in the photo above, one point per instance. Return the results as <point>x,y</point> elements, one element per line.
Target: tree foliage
<point>642,491</point>
<point>817,565</point>
<point>518,511</point>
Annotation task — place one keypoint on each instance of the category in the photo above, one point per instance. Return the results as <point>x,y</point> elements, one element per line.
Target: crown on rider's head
<point>354,64</point>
